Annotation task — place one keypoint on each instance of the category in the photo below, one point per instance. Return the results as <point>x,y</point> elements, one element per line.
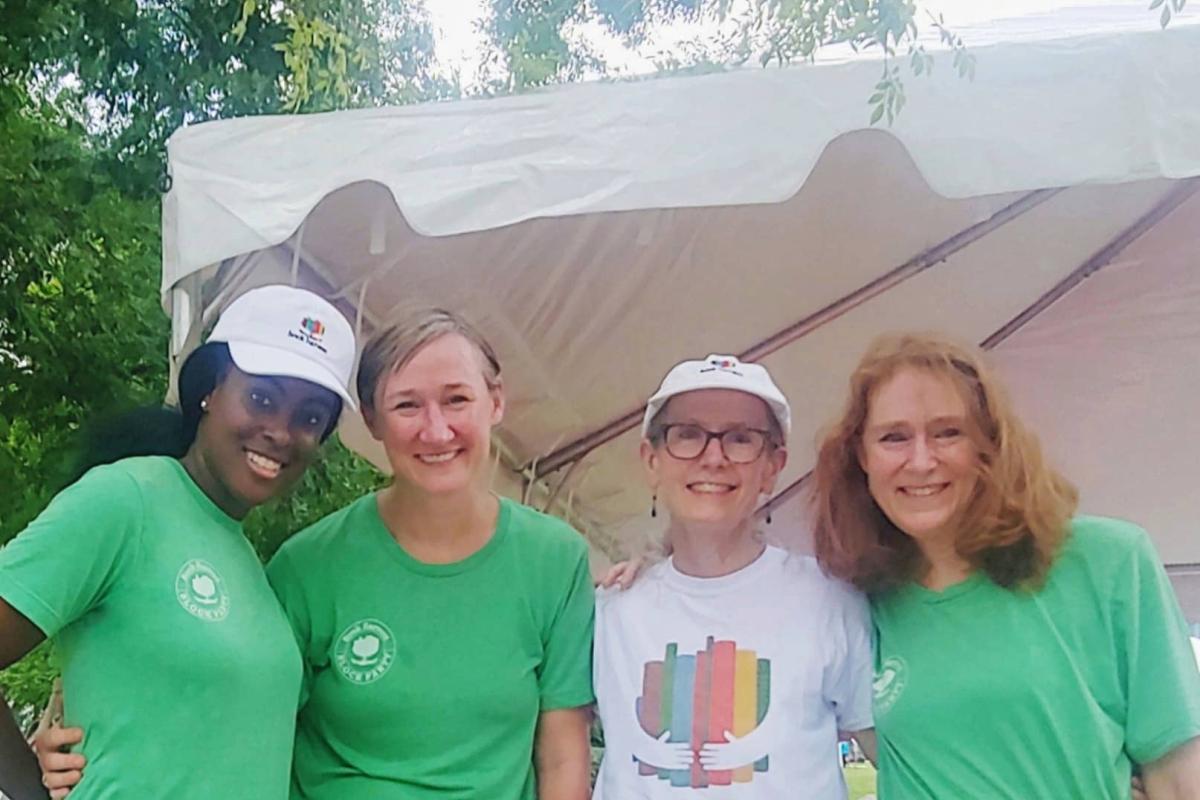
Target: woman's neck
<point>708,551</point>
<point>206,480</point>
<point>945,566</point>
<point>439,529</point>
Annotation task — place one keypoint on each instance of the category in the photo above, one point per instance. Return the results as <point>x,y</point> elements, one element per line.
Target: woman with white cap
<point>445,633</point>
<point>177,660</point>
<point>733,663</point>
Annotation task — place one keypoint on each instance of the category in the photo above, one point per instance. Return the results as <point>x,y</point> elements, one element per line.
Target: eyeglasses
<point>686,441</point>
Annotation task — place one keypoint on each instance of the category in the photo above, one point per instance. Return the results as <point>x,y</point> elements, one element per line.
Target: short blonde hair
<point>395,344</point>
<point>1016,520</point>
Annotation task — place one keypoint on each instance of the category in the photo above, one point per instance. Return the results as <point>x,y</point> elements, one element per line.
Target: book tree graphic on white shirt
<point>703,716</point>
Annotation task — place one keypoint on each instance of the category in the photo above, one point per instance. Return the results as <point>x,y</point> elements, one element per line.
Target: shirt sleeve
<point>565,676</point>
<point>282,577</point>
<point>849,674</point>
<point>67,561</point>
<point>1162,683</point>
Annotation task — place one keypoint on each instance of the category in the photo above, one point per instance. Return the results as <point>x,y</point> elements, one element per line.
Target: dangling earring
<point>654,506</point>
<point>768,517</point>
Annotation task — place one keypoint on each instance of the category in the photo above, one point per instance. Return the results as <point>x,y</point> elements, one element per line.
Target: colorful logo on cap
<point>315,327</point>
<point>724,364</point>
<point>310,332</point>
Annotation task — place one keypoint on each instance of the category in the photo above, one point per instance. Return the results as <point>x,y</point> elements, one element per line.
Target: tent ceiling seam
<point>578,449</point>
<point>1174,198</point>
<point>1098,261</point>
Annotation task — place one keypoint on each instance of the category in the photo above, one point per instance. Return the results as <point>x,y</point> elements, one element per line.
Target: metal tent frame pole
<point>579,448</point>
<point>1174,198</point>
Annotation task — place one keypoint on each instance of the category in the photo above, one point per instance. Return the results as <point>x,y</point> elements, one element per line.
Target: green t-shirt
<point>426,680</point>
<point>177,661</point>
<point>982,692</point>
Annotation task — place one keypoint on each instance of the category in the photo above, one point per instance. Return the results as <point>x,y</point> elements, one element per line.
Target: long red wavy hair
<point>1011,528</point>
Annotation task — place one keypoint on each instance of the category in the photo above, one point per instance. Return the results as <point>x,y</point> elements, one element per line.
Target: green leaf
<point>877,115</point>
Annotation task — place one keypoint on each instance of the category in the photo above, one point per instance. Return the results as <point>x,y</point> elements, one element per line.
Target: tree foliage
<point>533,41</point>
<point>80,328</point>
<point>89,92</point>
<point>346,55</point>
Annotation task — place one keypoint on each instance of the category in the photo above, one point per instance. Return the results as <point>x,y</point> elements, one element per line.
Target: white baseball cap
<point>720,372</point>
<point>282,330</point>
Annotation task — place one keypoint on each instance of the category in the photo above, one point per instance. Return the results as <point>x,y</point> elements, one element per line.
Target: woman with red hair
<point>1022,651</point>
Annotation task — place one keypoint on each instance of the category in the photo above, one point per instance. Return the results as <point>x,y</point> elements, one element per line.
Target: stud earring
<point>654,506</point>
<point>204,405</point>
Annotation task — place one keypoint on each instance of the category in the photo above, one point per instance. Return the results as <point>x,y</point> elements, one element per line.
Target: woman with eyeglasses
<point>732,663</point>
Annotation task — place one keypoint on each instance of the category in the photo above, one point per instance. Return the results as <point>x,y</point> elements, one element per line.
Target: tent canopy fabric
<point>600,233</point>
<point>1095,109</point>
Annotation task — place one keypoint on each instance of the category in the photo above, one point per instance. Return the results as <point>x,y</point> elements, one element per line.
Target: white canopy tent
<point>599,233</point>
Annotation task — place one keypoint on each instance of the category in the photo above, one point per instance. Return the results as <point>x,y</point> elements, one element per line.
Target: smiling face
<point>920,461</point>
<point>257,437</point>
<point>710,489</point>
<point>435,415</point>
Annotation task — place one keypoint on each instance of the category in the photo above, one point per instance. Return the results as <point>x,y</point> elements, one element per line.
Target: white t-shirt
<point>770,661</point>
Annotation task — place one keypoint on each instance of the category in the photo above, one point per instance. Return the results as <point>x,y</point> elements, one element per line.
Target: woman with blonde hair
<point>1022,651</point>
<point>445,632</point>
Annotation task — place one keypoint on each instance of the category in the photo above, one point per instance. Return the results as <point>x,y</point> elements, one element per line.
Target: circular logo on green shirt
<point>890,680</point>
<point>365,651</point>
<point>201,591</point>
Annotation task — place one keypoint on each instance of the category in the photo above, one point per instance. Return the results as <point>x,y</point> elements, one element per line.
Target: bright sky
<point>458,41</point>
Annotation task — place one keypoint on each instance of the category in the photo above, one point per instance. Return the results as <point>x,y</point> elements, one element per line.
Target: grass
<point>861,780</point>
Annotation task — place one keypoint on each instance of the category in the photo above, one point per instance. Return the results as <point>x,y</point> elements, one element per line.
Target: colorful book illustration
<point>697,698</point>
